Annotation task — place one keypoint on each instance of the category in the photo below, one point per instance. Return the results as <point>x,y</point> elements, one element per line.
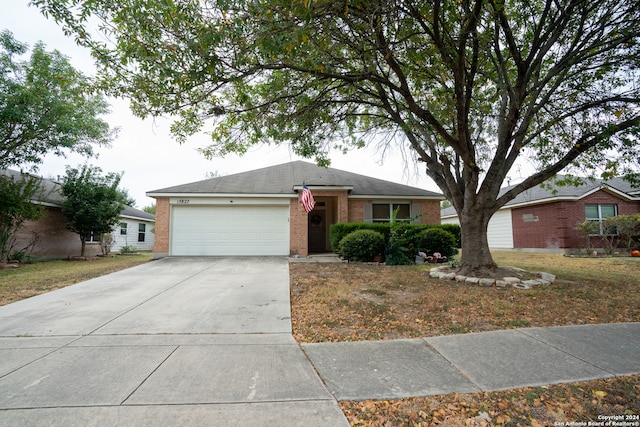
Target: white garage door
<point>230,230</point>
<point>500,230</point>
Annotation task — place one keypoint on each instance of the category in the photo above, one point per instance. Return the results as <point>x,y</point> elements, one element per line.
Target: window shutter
<point>415,211</point>
<point>367,212</point>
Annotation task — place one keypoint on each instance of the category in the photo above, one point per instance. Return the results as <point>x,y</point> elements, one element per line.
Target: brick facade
<point>556,221</point>
<point>163,217</point>
<point>53,240</point>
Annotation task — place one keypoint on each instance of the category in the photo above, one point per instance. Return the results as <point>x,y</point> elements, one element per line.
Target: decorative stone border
<point>542,279</point>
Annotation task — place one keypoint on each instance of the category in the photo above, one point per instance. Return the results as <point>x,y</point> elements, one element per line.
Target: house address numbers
<point>182,201</point>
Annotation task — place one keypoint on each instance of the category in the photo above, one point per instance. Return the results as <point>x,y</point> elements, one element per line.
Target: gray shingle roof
<point>281,179</point>
<point>50,194</point>
<point>137,213</point>
<point>539,194</point>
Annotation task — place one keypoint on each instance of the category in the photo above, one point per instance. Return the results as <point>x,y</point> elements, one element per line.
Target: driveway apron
<point>178,341</point>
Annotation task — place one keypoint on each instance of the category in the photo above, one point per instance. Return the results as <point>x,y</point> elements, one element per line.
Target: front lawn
<point>347,302</point>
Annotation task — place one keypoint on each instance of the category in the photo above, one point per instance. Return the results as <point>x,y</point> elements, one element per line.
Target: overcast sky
<point>144,150</point>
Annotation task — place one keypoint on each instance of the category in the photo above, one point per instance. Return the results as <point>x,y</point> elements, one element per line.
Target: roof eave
<point>208,195</point>
<point>396,196</point>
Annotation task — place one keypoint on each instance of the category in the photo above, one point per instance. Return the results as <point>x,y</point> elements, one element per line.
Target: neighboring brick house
<point>545,219</point>
<point>259,212</point>
<point>53,240</point>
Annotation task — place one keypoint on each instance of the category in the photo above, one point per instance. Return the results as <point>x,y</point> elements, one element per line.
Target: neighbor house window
<point>92,237</point>
<point>598,213</point>
<point>142,228</point>
<point>383,212</point>
<point>123,228</point>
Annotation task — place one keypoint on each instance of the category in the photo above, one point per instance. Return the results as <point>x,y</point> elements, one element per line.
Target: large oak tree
<point>472,86</point>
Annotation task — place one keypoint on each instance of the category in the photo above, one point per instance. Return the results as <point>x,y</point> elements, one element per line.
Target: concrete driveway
<point>178,341</point>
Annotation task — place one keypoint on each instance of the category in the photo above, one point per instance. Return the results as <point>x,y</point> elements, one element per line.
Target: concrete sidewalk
<point>207,341</point>
<point>470,363</point>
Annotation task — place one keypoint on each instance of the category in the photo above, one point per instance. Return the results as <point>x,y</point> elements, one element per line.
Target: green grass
<point>39,277</point>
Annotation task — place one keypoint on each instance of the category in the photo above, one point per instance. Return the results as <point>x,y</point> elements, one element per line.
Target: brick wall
<point>429,210</point>
<point>161,243</point>
<point>555,227</point>
<point>299,239</point>
<point>53,239</point>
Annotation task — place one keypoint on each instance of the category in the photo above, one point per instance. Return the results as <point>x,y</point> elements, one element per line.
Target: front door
<point>317,231</point>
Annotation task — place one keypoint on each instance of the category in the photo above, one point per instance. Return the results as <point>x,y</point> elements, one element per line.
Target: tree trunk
<point>83,244</point>
<point>476,258</point>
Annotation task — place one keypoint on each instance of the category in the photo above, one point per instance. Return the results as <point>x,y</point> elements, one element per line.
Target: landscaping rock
<point>487,283</point>
<point>547,276</point>
<point>435,274</point>
<point>544,279</point>
<point>6,266</point>
<point>532,283</point>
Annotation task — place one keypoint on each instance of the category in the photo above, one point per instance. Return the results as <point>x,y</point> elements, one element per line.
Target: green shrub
<point>361,245</point>
<point>128,250</point>
<point>436,240</point>
<point>337,232</point>
<point>453,229</point>
<point>401,249</point>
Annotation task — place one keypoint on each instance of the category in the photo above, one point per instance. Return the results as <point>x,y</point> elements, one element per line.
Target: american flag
<point>306,199</point>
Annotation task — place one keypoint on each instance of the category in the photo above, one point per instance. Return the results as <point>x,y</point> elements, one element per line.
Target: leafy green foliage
<point>150,209</point>
<point>93,202</point>
<point>628,229</point>
<point>401,248</point>
<point>436,240</point>
<point>16,207</point>
<point>361,245</point>
<point>45,106</point>
<point>470,86</point>
<point>339,230</point>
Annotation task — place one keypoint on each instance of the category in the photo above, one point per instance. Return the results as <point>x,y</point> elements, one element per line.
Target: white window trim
<point>600,218</point>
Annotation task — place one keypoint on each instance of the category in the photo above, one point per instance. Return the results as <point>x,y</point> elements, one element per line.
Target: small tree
<point>93,202</point>
<point>627,230</point>
<point>588,229</point>
<point>16,207</point>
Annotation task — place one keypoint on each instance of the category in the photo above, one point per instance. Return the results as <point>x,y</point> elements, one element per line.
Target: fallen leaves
<point>536,407</point>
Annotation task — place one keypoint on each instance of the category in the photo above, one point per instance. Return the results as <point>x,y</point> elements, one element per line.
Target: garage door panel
<point>230,230</point>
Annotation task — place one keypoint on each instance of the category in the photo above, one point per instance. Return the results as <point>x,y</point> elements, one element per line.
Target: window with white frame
<point>383,212</point>
<point>142,228</point>
<point>598,213</point>
<point>123,228</point>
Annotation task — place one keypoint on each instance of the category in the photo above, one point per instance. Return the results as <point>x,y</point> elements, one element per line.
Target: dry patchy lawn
<point>348,302</point>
